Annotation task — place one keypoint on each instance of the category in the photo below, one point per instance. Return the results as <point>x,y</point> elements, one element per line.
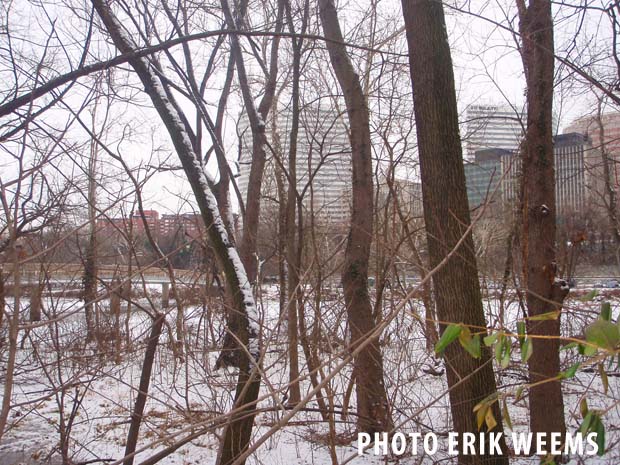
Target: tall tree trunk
<point>13,332</point>
<point>2,300</point>
<point>372,403</point>
<point>36,300</point>
<point>237,431</point>
<point>230,354</point>
<point>446,212</point>
<point>89,279</point>
<point>538,218</point>
<point>430,325</point>
<point>145,381</point>
<point>294,241</point>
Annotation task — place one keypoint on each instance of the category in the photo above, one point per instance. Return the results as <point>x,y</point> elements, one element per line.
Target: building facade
<point>485,179</point>
<point>492,178</point>
<point>166,226</point>
<point>185,224</point>
<point>603,133</point>
<point>493,127</point>
<point>408,193</point>
<point>571,188</point>
<point>323,167</point>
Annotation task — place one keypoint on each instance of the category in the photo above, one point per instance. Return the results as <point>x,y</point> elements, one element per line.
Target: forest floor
<point>64,389</point>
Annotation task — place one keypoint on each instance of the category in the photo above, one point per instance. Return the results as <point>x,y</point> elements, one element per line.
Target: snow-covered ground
<point>63,386</point>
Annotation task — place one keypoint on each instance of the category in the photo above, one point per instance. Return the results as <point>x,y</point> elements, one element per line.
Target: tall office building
<point>571,176</point>
<point>323,162</point>
<point>489,177</point>
<point>493,176</point>
<point>407,192</point>
<point>493,127</point>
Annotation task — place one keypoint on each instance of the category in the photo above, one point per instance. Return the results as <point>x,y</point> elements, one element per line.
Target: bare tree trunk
<point>36,297</point>
<point>237,431</point>
<point>115,311</point>
<point>143,390</point>
<point>430,325</point>
<point>90,265</point>
<point>372,403</point>
<point>538,218</point>
<point>282,208</point>
<point>2,299</point>
<point>256,117</point>
<point>446,213</point>
<point>13,334</point>
<point>230,354</point>
<point>293,257</point>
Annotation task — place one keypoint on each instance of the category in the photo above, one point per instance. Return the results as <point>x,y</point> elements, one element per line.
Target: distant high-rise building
<point>408,194</point>
<point>493,176</point>
<point>323,161</point>
<point>488,177</point>
<point>571,176</point>
<point>493,127</point>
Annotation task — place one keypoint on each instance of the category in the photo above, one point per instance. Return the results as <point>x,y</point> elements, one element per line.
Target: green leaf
<point>527,349</point>
<point>604,378</point>
<point>506,353</point>
<point>570,372</point>
<point>583,407</point>
<point>449,335</point>
<point>470,343</point>
<point>506,414</point>
<point>589,296</point>
<point>546,316</point>
<point>521,332</point>
<point>569,346</point>
<point>603,333</point>
<point>599,429</point>
<point>499,348</point>
<point>490,339</point>
<point>519,394</point>
<point>593,423</point>
<point>502,351</point>
<point>587,349</point>
<point>606,311</point>
<point>464,335</point>
<point>585,424</point>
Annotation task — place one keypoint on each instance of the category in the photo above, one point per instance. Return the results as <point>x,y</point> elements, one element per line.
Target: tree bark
<point>13,333</point>
<point>89,279</point>
<point>143,390</point>
<point>538,218</point>
<point>372,403</point>
<point>293,240</point>
<point>230,354</point>
<point>2,300</point>
<point>446,213</point>
<point>237,432</point>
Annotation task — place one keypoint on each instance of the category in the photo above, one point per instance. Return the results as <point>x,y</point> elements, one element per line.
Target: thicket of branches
<point>273,315</point>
